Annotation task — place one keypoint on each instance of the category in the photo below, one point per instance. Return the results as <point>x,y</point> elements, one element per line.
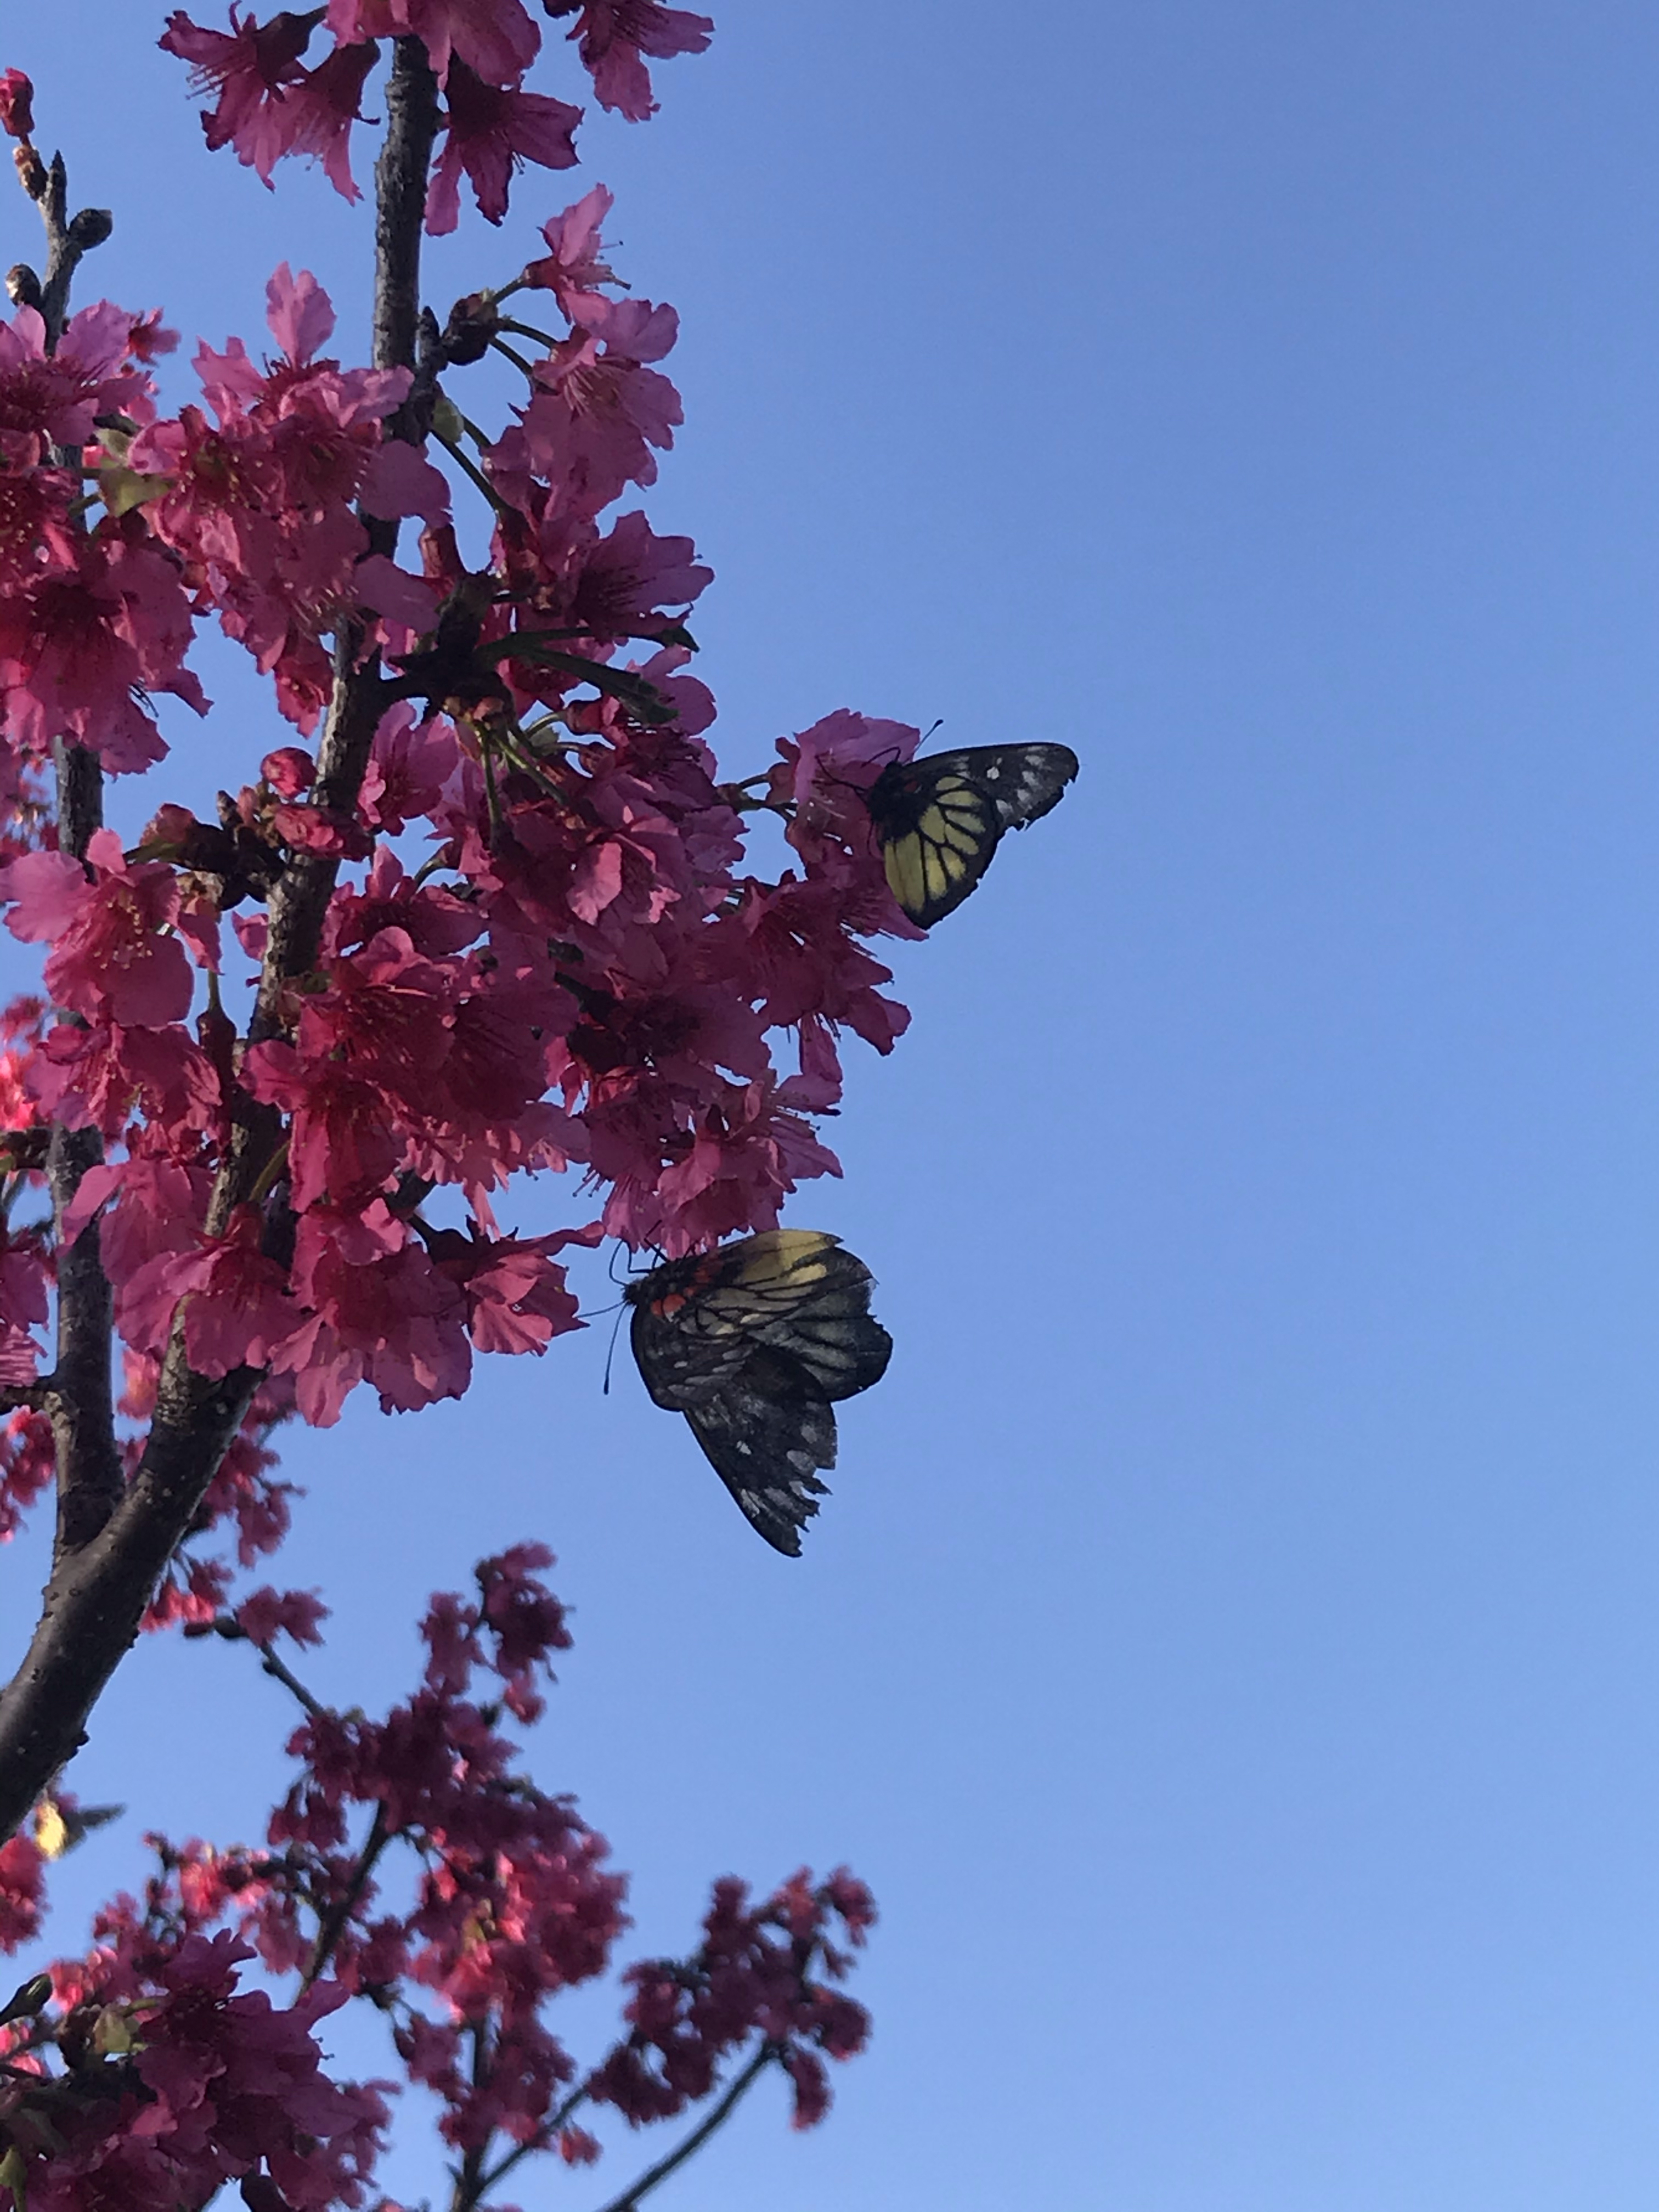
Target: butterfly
<point>754,1343</point>
<point>939,820</point>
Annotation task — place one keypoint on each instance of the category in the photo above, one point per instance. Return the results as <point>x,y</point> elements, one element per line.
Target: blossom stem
<point>67,241</point>
<point>517,359</point>
<point>462,461</point>
<point>529,331</point>
<point>270,1175</point>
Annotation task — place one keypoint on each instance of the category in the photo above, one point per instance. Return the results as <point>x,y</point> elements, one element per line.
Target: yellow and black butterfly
<point>939,820</point>
<point>754,1344</point>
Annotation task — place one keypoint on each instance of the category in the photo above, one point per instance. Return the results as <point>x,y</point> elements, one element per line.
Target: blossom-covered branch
<point>478,912</point>
<point>151,2071</point>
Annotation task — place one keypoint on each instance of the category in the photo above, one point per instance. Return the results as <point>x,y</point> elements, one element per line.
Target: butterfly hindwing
<point>765,1433</point>
<point>752,1343</point>
<point>939,819</point>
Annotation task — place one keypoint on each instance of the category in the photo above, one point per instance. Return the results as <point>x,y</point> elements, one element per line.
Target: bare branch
<point>67,239</point>
<point>630,2199</point>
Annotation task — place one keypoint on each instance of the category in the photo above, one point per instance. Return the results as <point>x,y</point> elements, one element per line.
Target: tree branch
<point>630,2197</point>
<point>97,1594</point>
<point>67,240</point>
<point>82,1402</point>
<point>332,1927</point>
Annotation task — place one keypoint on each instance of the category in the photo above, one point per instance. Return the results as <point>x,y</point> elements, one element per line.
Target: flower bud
<point>16,110</point>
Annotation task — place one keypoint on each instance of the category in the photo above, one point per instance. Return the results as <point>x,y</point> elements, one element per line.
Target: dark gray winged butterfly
<point>754,1344</point>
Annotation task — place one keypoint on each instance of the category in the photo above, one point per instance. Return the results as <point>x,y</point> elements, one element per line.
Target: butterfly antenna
<point>611,1352</point>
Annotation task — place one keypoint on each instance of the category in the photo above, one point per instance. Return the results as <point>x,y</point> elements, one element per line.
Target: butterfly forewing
<point>752,1343</point>
<point>939,820</point>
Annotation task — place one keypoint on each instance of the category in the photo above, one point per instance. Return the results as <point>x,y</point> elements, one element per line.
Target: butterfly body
<point>754,1343</point>
<point>939,820</point>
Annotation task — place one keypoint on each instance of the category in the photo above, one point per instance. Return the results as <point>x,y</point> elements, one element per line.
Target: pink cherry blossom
<point>492,130</point>
<point>249,68</point>
<point>496,39</point>
<point>614,34</point>
<point>110,958</point>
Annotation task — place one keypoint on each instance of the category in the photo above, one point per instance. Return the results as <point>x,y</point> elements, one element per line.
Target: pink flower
<point>496,39</point>
<point>614,33</point>
<point>103,1078</point>
<point>21,1893</point>
<point>262,507</point>
<point>28,1462</point>
<point>268,1613</point>
<point>79,650</point>
<point>289,771</point>
<point>393,1320</point>
<point>16,114</point>
<point>629,579</point>
<point>407,772</point>
<point>239,1312</point>
<point>491,131</point>
<point>319,110</point>
<point>573,270</point>
<point>51,399</point>
<point>516,1299</point>
<point>589,430</point>
<point>249,69</point>
<point>110,959</point>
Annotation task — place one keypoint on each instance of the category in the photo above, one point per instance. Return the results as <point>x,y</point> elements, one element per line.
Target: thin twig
<point>631,2198</point>
<point>279,1671</point>
<point>546,2134</point>
<point>699,2135</point>
<point>333,1927</point>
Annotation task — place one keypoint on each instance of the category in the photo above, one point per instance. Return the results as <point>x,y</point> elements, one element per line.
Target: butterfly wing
<point>937,828</point>
<point>1024,782</point>
<point>765,1433</point>
<point>939,820</point>
<point>826,1323</point>
<point>685,1345</point>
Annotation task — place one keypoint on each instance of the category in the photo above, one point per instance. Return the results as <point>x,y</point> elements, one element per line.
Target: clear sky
<point>1230,1648</point>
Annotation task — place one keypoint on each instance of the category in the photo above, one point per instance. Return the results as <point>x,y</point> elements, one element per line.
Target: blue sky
<point>1230,1650</point>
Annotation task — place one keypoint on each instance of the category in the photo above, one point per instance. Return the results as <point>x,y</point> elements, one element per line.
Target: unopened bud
<point>23,286</point>
<point>91,228</point>
<point>472,323</point>
<point>31,170</point>
<point>16,105</point>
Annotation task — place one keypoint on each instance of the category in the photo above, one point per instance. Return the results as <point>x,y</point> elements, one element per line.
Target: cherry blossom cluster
<point>495,924</point>
<point>268,103</point>
<point>578,971</point>
<point>413,1869</point>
